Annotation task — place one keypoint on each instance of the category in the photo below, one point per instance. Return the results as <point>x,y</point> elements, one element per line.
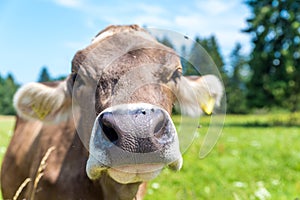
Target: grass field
<point>6,130</point>
<point>257,157</point>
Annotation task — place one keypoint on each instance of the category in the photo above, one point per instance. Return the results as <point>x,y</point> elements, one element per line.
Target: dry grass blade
<point>20,189</point>
<point>40,171</point>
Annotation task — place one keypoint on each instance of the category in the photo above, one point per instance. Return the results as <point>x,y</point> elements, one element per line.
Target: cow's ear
<point>45,102</point>
<point>198,94</point>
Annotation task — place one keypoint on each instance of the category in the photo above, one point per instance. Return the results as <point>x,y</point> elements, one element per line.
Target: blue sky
<point>35,33</point>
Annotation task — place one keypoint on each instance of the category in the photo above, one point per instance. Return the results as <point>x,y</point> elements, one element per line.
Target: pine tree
<point>8,87</point>
<point>275,59</point>
<point>204,56</point>
<point>44,75</point>
<point>236,86</point>
<point>166,41</point>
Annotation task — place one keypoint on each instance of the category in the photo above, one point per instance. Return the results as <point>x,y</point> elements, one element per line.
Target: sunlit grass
<point>6,130</point>
<point>257,157</point>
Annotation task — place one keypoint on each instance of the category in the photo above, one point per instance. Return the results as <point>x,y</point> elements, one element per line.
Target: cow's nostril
<point>159,126</point>
<point>110,133</point>
<point>107,128</point>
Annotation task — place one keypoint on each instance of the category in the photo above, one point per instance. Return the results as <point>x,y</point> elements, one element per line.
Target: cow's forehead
<point>114,43</point>
<point>112,30</point>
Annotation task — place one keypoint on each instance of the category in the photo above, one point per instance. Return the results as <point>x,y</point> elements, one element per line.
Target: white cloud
<point>215,7</point>
<point>69,3</point>
<point>75,45</point>
<point>186,22</point>
<point>222,18</point>
<point>151,9</point>
<point>150,20</point>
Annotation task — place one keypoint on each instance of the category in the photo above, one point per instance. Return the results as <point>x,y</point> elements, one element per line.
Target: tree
<point>203,55</point>
<point>8,87</point>
<point>183,57</point>
<point>44,75</point>
<point>166,41</point>
<point>212,47</point>
<point>60,78</point>
<point>236,86</point>
<point>198,61</point>
<point>275,59</point>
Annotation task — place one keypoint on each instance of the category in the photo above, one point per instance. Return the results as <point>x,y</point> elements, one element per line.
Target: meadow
<point>256,157</point>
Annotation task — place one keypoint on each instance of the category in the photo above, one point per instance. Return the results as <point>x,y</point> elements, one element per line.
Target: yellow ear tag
<point>40,111</point>
<point>209,106</point>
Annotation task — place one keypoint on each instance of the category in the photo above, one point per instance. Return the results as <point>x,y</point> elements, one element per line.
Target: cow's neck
<point>113,190</point>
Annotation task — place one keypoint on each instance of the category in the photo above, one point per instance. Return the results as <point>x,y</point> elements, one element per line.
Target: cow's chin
<point>135,173</point>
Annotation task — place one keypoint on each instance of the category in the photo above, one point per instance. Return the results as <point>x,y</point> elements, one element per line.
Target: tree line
<point>267,78</point>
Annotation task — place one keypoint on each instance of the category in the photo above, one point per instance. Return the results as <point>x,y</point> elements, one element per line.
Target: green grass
<point>6,130</point>
<point>256,156</point>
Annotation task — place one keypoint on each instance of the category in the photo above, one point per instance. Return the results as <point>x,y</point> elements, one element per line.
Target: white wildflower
<point>275,182</point>
<point>207,190</point>
<point>2,150</point>
<point>155,186</point>
<point>255,144</point>
<point>239,184</point>
<point>262,193</point>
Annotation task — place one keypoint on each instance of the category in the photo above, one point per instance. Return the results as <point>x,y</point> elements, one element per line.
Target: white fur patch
<point>102,36</point>
<point>114,31</point>
<point>38,101</point>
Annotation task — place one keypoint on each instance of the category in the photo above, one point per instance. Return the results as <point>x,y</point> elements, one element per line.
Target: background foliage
<point>8,87</point>
<point>268,78</point>
<point>275,59</point>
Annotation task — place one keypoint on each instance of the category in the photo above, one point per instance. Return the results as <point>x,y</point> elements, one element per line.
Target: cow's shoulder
<point>32,141</point>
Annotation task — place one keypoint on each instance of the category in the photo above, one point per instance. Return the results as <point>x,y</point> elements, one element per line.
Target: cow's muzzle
<point>133,142</point>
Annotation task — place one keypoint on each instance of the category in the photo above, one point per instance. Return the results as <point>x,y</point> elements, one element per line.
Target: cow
<point>108,124</point>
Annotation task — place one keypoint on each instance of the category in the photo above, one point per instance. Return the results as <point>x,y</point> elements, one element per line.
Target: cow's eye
<point>76,78</point>
<point>176,74</point>
<point>73,77</point>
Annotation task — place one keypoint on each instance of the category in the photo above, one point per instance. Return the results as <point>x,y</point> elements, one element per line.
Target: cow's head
<point>122,90</point>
